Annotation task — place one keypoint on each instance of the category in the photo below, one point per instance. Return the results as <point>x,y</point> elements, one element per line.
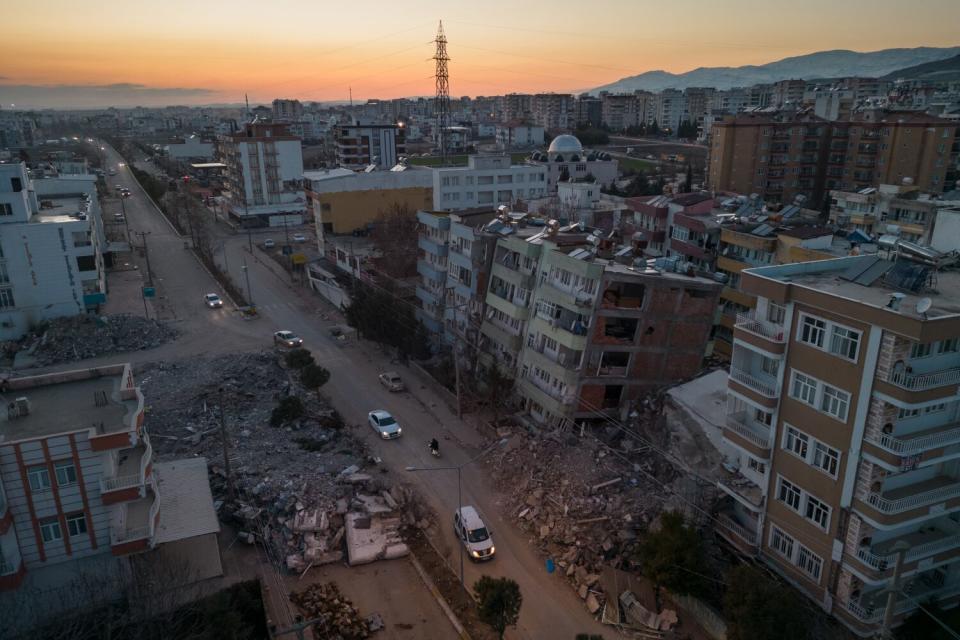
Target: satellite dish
<point>924,304</point>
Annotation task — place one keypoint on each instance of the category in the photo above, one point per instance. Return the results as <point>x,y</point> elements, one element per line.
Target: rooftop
<point>186,504</point>
<point>867,279</point>
<point>62,407</point>
<point>61,209</point>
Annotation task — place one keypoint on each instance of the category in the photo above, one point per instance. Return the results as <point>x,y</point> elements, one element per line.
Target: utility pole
<point>442,100</point>
<point>226,446</point>
<point>146,254</point>
<point>246,272</point>
<point>900,548</point>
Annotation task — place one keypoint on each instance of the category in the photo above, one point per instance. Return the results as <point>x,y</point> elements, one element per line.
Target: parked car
<point>391,380</point>
<point>213,301</point>
<point>269,244</point>
<point>299,237</point>
<point>473,534</point>
<point>384,424</point>
<point>287,339</point>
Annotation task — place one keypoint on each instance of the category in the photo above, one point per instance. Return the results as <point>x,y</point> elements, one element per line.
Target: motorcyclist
<point>434,445</point>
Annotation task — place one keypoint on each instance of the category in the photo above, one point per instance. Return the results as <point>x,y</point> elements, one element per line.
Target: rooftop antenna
<point>351,96</point>
<point>442,99</point>
<point>247,99</point>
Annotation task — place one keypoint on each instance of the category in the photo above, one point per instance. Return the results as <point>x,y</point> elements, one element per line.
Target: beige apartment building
<point>780,156</point>
<point>842,424</point>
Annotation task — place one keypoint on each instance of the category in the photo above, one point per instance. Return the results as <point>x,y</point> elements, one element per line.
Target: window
<point>66,473</point>
<point>680,233</point>
<point>844,342</point>
<point>755,465</point>
<point>39,478</point>
<point>76,524</point>
<point>770,366</point>
<point>804,388</point>
<point>776,313</point>
<point>6,298</point>
<point>781,543</point>
<point>796,442</point>
<point>6,209</point>
<point>818,512</point>
<point>826,458</point>
<point>50,530</point>
<point>835,402</point>
<point>790,494</point>
<point>812,330</point>
<point>948,346</point>
<point>809,562</point>
<point>921,349</point>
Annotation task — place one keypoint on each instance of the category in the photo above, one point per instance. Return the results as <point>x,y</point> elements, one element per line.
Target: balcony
<point>916,443</point>
<point>871,606</point>
<point>761,383</point>
<point>136,523</point>
<point>743,426</point>
<point>762,328</point>
<point>501,336</point>
<point>545,395</point>
<point>923,381</point>
<point>569,295</point>
<point>923,544</point>
<point>432,246</point>
<point>915,496</point>
<point>133,470</point>
<point>431,271</point>
<point>727,524</point>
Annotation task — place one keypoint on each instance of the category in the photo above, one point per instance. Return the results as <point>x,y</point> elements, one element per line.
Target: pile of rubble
<point>85,336</point>
<point>584,502</point>
<point>293,485</point>
<point>336,616</point>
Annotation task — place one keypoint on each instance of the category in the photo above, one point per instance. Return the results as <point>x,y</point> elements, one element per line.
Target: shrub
<point>289,409</point>
<point>313,376</point>
<point>299,358</point>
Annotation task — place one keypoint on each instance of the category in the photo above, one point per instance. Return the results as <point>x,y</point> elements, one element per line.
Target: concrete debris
<point>84,336</point>
<point>289,482</point>
<point>583,502</point>
<point>336,615</point>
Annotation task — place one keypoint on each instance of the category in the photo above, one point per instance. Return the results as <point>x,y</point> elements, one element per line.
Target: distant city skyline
<point>138,53</point>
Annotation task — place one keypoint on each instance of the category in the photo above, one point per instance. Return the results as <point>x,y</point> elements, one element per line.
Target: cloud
<point>119,94</point>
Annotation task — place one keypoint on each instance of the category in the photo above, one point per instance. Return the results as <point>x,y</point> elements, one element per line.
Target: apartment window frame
<point>804,390</point>
<point>834,402</point>
<point>795,442</point>
<point>808,331</point>
<point>828,336</point>
<point>38,477</point>
<point>66,472</point>
<point>826,458</point>
<point>50,530</point>
<point>809,562</point>
<point>827,399</point>
<point>788,493</point>
<point>840,344</point>
<point>782,542</point>
<point>76,524</point>
<point>817,511</point>
<point>757,466</point>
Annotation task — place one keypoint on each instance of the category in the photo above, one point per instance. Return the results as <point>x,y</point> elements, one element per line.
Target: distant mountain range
<point>823,64</point>
<point>939,71</point>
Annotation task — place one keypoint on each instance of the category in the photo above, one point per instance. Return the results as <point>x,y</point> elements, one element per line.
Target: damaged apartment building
<point>842,430</point>
<point>584,324</point>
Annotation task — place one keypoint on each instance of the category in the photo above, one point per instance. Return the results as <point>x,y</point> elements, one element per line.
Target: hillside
<point>941,70</point>
<point>823,64</point>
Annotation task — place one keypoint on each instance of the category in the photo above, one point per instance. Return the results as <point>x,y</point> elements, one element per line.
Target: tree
<point>498,602</point>
<point>497,390</point>
<point>653,129</point>
<point>314,376</point>
<point>299,358</point>
<point>673,556</point>
<point>289,409</point>
<point>395,235</point>
<point>688,186</point>
<point>757,607</point>
<point>824,217</point>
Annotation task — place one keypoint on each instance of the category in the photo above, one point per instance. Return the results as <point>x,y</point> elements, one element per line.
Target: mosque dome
<point>565,144</point>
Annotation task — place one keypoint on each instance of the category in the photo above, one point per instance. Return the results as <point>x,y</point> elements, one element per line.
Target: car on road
<point>124,193</point>
<point>384,424</point>
<point>112,172</point>
<point>213,301</point>
<point>287,339</point>
<point>269,244</point>
<point>473,534</point>
<point>299,237</point>
<point>118,187</point>
<point>118,217</point>
<point>391,380</point>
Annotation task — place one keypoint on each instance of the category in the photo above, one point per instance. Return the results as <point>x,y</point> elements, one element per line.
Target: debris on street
<point>295,485</point>
<point>336,616</point>
<point>84,336</point>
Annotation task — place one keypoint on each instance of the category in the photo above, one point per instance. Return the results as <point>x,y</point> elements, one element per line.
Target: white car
<point>299,237</point>
<point>213,301</point>
<point>473,534</point>
<point>391,380</point>
<point>287,339</point>
<point>269,244</point>
<point>384,424</point>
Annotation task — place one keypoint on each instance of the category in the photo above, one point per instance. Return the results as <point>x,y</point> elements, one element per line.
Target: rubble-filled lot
<point>585,502</point>
<point>295,484</point>
<point>86,336</point>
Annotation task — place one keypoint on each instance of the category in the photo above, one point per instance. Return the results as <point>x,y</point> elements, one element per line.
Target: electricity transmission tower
<point>442,101</point>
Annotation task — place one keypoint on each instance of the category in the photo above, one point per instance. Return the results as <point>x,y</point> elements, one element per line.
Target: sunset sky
<point>206,51</point>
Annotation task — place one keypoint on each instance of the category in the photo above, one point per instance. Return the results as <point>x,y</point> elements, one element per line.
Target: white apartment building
<point>517,135</point>
<point>487,181</point>
<point>670,107</point>
<point>192,148</point>
<point>263,179</point>
<point>51,249</point>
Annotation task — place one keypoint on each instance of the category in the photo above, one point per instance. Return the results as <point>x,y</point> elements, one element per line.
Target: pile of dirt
<point>85,336</point>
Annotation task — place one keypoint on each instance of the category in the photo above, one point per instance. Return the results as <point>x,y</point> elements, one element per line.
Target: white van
<point>473,534</point>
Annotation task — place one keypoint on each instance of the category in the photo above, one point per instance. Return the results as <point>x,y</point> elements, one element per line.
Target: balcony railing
<point>762,328</point>
<point>742,532</point>
<point>920,499</point>
<point>739,424</point>
<point>909,446</point>
<point>924,381</point>
<point>749,380</point>
<point>127,481</point>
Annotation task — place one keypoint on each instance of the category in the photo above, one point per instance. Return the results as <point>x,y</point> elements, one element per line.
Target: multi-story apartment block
<point>518,135</point>
<point>620,111</point>
<point>782,156</point>
<point>842,423</point>
<point>696,104</point>
<point>900,210</point>
<point>788,92</point>
<point>589,111</point>
<point>78,479</point>
<point>487,181</point>
<point>679,225</point>
<point>586,336</point>
<point>363,143</point>
<point>669,109</point>
<point>262,180</point>
<point>514,106</point>
<point>566,159</point>
<point>52,249</point>
<point>553,111</point>
<point>289,110</point>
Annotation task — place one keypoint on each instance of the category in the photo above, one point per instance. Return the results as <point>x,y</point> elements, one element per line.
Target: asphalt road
<point>550,609</point>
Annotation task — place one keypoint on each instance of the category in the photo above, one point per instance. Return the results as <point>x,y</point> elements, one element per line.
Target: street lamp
<point>458,469</point>
<point>246,272</point>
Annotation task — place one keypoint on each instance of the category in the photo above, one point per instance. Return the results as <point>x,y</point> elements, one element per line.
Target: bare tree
<point>395,235</point>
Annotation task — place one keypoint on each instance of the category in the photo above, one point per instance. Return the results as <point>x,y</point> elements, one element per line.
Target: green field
<point>636,164</point>
<point>456,161</point>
